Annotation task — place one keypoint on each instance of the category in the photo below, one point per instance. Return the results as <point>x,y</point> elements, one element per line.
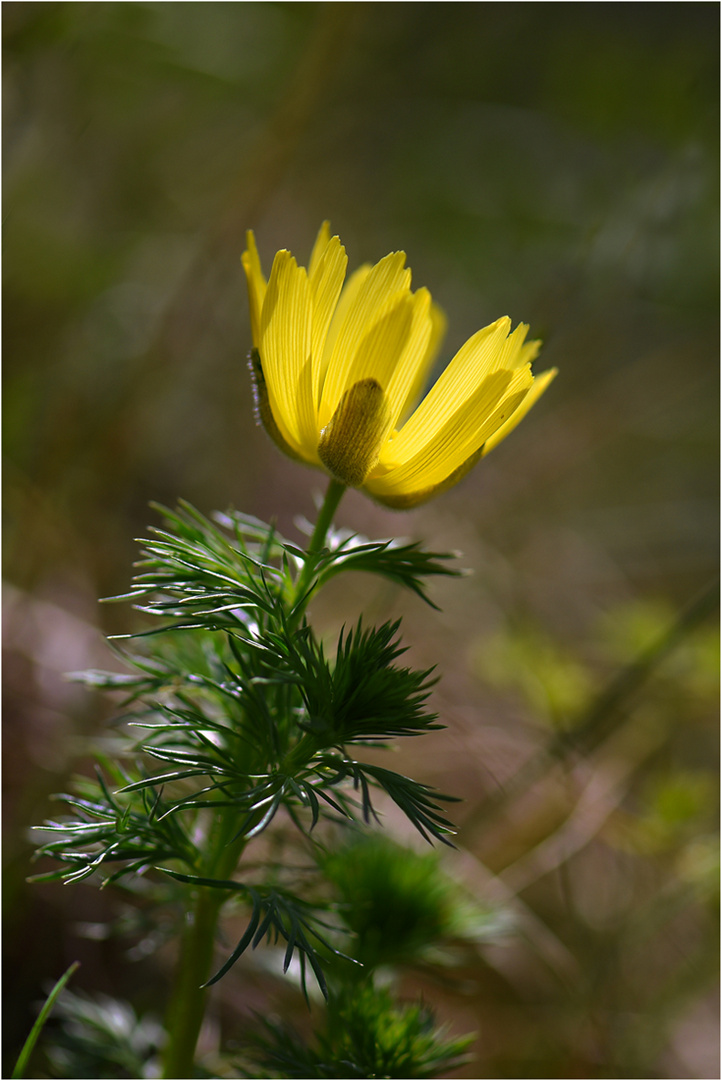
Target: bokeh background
<point>553,162</point>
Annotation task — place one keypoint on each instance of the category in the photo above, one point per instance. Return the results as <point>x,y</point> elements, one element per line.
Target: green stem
<point>185,1016</point>
<point>333,496</point>
<point>190,998</point>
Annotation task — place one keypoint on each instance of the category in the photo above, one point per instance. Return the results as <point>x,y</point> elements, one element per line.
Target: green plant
<point>247,720</point>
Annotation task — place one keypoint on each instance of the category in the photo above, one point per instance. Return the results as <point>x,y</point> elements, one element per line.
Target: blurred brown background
<point>553,162</point>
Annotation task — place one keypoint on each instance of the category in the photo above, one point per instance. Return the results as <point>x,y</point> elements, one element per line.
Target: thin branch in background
<point>600,720</point>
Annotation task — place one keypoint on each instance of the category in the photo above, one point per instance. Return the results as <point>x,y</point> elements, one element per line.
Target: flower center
<point>352,439</point>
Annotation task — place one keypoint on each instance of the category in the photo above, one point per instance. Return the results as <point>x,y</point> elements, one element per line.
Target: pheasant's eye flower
<point>339,370</point>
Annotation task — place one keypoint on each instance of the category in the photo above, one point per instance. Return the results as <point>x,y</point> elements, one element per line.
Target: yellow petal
<point>285,335</point>
<point>453,389</point>
<point>384,289</point>
<point>380,349</point>
<point>540,383</point>
<point>326,275</point>
<point>402,493</point>
<point>321,243</point>
<point>408,499</point>
<point>407,362</point>
<point>462,434</point>
<point>528,353</point>
<point>263,409</point>
<point>348,297</point>
<point>422,371</point>
<point>256,285</point>
<point>512,353</point>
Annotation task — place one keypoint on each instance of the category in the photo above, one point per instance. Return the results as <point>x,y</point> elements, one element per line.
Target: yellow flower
<point>339,368</point>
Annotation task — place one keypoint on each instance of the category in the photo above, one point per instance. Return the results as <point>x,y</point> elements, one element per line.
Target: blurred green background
<point>554,162</point>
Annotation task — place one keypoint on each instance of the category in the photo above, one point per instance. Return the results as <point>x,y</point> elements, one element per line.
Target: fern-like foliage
<point>366,1035</point>
<point>233,709</point>
<point>406,564</point>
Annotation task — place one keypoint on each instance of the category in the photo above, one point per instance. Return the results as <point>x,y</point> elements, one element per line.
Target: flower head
<point>339,369</point>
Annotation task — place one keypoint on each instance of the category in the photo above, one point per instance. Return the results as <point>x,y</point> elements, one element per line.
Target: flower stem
<point>187,1008</point>
<point>333,496</point>
<point>190,998</point>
